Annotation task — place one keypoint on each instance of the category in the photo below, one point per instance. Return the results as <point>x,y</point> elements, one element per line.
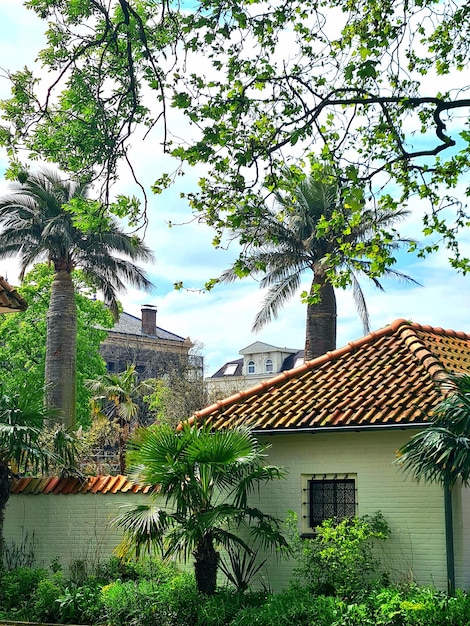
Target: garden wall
<point>67,526</point>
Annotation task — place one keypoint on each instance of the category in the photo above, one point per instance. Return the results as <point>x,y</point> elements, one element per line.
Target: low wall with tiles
<point>67,526</point>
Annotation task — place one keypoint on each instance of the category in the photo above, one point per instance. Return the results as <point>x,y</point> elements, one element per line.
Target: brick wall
<point>79,526</point>
<point>416,548</point>
<point>67,527</point>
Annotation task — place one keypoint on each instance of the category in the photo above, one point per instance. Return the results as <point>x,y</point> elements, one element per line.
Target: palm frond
<point>275,299</point>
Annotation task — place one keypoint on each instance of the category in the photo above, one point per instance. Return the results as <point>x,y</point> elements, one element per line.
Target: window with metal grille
<point>330,497</point>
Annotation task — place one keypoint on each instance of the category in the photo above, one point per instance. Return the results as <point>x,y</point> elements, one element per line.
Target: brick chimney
<point>149,320</point>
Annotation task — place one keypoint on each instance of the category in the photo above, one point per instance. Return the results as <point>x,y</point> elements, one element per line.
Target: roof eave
<point>323,429</point>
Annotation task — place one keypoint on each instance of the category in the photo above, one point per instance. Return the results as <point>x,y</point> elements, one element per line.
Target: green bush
<point>45,607</point>
<point>294,607</point>
<point>172,602</point>
<point>340,559</point>
<point>17,589</point>
<point>419,606</point>
<point>222,608</point>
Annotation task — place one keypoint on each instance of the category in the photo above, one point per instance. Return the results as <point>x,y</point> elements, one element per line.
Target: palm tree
<point>294,240</point>
<point>116,397</point>
<point>22,417</point>
<point>441,452</point>
<point>205,478</point>
<point>37,226</point>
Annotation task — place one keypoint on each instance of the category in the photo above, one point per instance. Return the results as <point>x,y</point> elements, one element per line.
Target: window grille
<point>330,497</point>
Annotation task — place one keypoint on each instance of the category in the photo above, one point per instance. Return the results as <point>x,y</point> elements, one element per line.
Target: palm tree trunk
<point>206,561</point>
<point>320,333</point>
<point>61,348</point>
<point>4,495</point>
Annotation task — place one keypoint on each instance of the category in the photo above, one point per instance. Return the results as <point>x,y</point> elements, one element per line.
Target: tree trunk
<point>61,348</point>
<point>4,495</point>
<point>206,561</point>
<point>320,334</point>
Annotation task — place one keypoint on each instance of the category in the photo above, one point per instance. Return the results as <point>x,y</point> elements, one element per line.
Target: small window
<point>111,366</point>
<point>251,367</point>
<point>140,369</point>
<point>330,497</point>
<point>268,366</point>
<point>230,369</point>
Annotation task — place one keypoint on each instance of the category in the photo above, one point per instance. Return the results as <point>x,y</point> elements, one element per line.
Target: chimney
<point>149,320</point>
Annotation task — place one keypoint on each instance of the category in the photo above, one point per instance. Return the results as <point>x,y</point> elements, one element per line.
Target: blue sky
<point>221,319</point>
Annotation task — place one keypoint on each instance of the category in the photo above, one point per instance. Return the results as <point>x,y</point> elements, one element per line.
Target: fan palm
<point>295,240</point>
<point>22,417</point>
<point>441,452</point>
<point>116,396</point>
<point>36,225</point>
<point>205,478</point>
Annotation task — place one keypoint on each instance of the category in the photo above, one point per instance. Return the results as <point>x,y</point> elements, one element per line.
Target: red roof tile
<point>65,486</point>
<point>389,378</point>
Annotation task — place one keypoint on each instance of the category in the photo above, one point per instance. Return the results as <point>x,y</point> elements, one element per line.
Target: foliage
<point>23,339</point>
<point>241,567</point>
<point>205,479</point>
<point>340,559</point>
<point>19,585</point>
<point>441,452</point>
<point>148,602</point>
<point>115,397</point>
<point>157,593</point>
<point>260,85</point>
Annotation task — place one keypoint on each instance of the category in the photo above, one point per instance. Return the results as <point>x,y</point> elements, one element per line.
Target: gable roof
<point>385,379</point>
<point>10,299</point>
<point>130,325</point>
<point>260,346</point>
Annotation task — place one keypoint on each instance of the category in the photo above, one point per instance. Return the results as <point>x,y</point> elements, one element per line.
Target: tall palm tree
<point>37,226</point>
<point>294,241</point>
<point>441,452</point>
<point>22,417</point>
<point>116,397</point>
<point>205,479</point>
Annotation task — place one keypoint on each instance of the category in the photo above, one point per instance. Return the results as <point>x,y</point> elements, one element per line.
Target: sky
<point>220,321</point>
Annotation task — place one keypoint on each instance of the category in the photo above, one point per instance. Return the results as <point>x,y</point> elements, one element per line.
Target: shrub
<point>17,588</point>
<point>294,607</point>
<point>45,606</point>
<point>147,602</point>
<point>340,559</point>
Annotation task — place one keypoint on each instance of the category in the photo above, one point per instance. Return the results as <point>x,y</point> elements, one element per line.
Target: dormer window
<point>251,367</point>
<point>269,366</point>
<point>230,369</point>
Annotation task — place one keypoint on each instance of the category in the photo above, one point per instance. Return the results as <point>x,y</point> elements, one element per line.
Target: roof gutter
<point>323,429</point>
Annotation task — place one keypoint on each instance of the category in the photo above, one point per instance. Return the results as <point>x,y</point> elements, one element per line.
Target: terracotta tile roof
<point>10,299</point>
<point>388,378</point>
<point>64,486</point>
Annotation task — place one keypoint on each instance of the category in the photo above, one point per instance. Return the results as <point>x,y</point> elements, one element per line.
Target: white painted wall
<point>79,526</point>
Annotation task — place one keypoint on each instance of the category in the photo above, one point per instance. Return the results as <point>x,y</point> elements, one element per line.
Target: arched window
<point>268,366</point>
<point>251,367</point>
